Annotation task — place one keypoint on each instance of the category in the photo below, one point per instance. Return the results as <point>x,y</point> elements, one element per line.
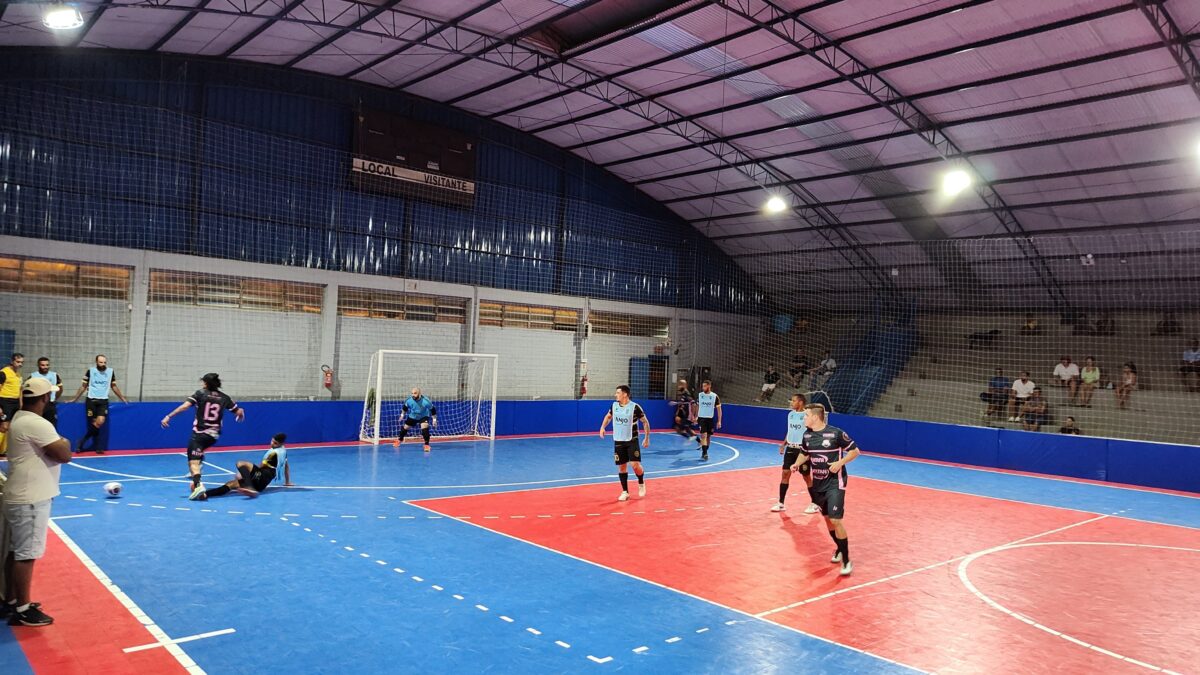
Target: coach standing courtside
<point>35,453</point>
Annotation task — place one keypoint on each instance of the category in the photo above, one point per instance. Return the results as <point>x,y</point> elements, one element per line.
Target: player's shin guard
<point>641,476</point>
<point>425,434</point>
<point>843,546</point>
<point>783,488</point>
<point>624,476</point>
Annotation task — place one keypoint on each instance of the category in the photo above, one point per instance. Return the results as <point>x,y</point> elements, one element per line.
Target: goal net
<point>461,386</point>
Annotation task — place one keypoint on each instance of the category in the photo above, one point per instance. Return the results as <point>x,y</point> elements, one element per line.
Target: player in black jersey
<point>211,404</point>
<point>827,450</point>
<point>685,405</point>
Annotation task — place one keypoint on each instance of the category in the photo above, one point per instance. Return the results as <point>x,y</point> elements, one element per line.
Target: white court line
<point>81,515</point>
<point>901,575</point>
<point>157,633</point>
<point>102,480</point>
<point>190,638</point>
<point>218,468</point>
<point>962,576</point>
<point>676,590</point>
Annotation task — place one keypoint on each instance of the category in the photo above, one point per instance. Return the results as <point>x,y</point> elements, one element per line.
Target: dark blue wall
<point>1160,465</point>
<point>249,162</point>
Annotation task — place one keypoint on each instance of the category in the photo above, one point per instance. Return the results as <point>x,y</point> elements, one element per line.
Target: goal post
<point>462,387</point>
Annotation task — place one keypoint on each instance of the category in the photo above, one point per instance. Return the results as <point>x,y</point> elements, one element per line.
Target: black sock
<point>624,481</point>
<point>218,491</point>
<point>403,433</point>
<point>833,536</point>
<point>425,434</point>
<point>783,488</point>
<point>812,495</point>
<point>641,477</point>
<point>195,481</point>
<point>843,546</point>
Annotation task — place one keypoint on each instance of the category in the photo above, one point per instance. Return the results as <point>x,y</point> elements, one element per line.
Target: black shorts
<point>831,501</point>
<point>410,422</point>
<point>97,407</point>
<point>625,452</point>
<point>9,407</point>
<point>197,446</point>
<point>256,478</point>
<point>707,424</point>
<point>791,455</point>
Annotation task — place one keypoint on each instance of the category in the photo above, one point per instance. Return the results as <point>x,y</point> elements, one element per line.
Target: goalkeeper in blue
<point>419,412</point>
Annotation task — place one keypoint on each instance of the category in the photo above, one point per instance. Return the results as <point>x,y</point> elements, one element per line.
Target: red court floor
<point>1063,591</point>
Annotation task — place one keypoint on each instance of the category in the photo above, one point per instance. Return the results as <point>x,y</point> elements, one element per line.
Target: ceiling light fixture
<point>62,17</point>
<point>776,205</point>
<point>955,182</point>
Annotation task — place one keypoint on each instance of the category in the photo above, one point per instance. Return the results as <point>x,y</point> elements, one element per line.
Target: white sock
<point>22,608</point>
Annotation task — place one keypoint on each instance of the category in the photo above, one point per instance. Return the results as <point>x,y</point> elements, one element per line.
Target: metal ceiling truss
<point>262,28</point>
<point>179,25</point>
<point>363,18</point>
<point>771,23</point>
<point>1027,145</point>
<point>90,21</point>
<point>1173,39</point>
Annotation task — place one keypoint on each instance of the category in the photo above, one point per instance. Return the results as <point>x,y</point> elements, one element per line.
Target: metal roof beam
<point>361,20</point>
<point>1173,39</point>
<point>434,28</point>
<point>262,28</point>
<point>90,21</point>
<point>178,26</point>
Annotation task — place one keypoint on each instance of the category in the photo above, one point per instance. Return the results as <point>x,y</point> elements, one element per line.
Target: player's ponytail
<point>211,381</point>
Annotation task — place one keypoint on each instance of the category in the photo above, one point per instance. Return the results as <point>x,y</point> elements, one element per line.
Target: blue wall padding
<point>1054,454</point>
<point>1161,465</point>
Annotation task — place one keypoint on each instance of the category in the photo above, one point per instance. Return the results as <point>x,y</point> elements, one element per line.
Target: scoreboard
<point>401,156</point>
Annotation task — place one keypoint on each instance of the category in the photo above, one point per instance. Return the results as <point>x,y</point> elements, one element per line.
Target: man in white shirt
<point>1022,388</point>
<point>35,453</point>
<point>1191,366</point>
<point>823,370</point>
<point>1066,374</point>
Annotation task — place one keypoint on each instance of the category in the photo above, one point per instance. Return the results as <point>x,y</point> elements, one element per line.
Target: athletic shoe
<point>1014,419</point>
<point>396,443</point>
<point>198,495</point>
<point>249,492</point>
<point>847,568</point>
<point>779,507</point>
<point>642,490</point>
<point>704,457</point>
<point>812,508</point>
<point>32,616</point>
<point>837,557</point>
<point>624,496</point>
<point>426,447</point>
<point>98,452</point>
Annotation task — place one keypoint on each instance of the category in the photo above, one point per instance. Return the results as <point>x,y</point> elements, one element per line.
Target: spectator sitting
<point>1168,325</point>
<point>983,338</point>
<point>1020,392</point>
<point>1069,427</point>
<point>1031,327</point>
<point>1191,366</point>
<point>1089,379</point>
<point>1066,374</point>
<point>1105,325</point>
<point>770,381</point>
<point>798,368</point>
<point>997,393</point>
<point>823,370</point>
<point>1127,384</point>
<point>1034,412</point>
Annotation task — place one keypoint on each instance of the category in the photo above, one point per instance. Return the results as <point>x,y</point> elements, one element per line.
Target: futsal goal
<point>461,386</point>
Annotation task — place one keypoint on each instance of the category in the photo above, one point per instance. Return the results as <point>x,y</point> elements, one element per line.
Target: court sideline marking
<point>158,633</point>
<point>966,581</point>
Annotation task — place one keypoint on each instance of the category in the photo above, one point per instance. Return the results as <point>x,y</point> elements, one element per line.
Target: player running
<point>211,404</point>
<point>252,479</point>
<point>684,403</point>
<point>625,416</point>
<point>419,411</point>
<point>829,450</point>
<point>708,407</point>
<point>791,448</point>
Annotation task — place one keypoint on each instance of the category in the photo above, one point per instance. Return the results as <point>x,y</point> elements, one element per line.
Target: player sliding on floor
<point>211,404</point>
<point>790,448</point>
<point>625,416</point>
<point>419,411</point>
<point>829,450</point>
<point>252,479</point>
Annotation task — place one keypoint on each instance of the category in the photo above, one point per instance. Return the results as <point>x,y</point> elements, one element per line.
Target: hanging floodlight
<point>62,17</point>
<point>955,182</point>
<point>776,205</point>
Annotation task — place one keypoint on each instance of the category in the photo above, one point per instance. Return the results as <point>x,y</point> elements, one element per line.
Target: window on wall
<point>65,279</point>
<point>219,290</point>
<point>633,325</point>
<point>536,317</point>
<point>370,303</point>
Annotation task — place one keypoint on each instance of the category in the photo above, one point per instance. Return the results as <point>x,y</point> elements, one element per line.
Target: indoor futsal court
<point>596,336</point>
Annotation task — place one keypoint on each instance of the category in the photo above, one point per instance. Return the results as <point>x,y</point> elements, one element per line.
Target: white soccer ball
<point>112,489</point>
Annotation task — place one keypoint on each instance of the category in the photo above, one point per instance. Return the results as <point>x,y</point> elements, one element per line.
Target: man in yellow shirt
<point>10,395</point>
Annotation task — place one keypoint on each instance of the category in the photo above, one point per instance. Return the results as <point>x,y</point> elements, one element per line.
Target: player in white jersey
<point>791,448</point>
<point>625,416</point>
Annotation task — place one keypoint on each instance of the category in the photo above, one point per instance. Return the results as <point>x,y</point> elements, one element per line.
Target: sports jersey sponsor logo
<point>623,420</point>
<point>828,435</point>
<point>825,443</point>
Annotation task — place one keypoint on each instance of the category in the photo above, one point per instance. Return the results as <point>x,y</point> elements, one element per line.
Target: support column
<point>328,352</point>
<point>139,315</point>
